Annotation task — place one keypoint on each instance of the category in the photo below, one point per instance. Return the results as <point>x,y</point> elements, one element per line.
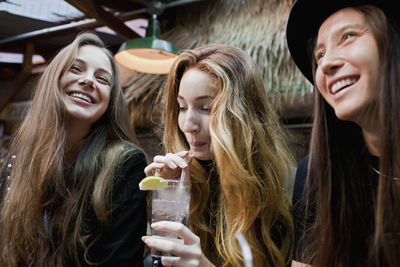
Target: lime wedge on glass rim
<point>153,183</point>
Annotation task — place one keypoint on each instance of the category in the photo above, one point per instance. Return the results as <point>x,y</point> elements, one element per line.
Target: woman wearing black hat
<point>347,195</point>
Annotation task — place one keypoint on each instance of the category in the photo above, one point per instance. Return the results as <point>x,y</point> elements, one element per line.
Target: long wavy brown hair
<point>38,186</point>
<point>357,224</point>
<point>251,158</point>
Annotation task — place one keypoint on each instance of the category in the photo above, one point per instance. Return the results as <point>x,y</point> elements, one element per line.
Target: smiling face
<point>347,66</point>
<point>86,85</point>
<point>195,96</point>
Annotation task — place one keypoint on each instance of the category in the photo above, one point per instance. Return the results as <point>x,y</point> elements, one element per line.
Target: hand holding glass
<point>170,204</point>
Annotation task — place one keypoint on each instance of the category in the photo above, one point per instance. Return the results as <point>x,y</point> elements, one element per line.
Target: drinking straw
<point>246,250</point>
<point>183,174</point>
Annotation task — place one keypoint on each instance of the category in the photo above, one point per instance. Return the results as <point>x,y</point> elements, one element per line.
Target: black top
<point>298,211</point>
<point>120,244</point>
<point>362,226</point>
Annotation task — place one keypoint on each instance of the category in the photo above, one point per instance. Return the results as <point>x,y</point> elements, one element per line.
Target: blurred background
<point>33,31</point>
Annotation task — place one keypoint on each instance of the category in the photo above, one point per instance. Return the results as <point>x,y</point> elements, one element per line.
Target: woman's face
<point>86,86</point>
<point>347,65</point>
<point>195,96</point>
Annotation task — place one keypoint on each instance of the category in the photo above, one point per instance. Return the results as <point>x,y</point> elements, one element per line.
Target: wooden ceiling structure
<point>29,36</point>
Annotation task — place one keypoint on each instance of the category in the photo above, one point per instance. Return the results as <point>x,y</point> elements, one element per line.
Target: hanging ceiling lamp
<point>150,54</point>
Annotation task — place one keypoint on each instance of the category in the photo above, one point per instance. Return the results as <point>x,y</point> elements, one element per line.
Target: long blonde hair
<point>37,178</point>
<point>250,154</point>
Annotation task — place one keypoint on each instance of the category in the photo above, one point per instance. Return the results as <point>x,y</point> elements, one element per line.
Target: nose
<point>190,122</point>
<point>330,63</point>
<point>87,80</point>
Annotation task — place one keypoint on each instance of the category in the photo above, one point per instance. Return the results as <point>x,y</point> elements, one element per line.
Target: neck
<point>372,141</point>
<point>75,140</point>
<point>369,121</point>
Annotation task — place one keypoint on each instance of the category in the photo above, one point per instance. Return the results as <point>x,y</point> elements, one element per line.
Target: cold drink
<point>170,204</point>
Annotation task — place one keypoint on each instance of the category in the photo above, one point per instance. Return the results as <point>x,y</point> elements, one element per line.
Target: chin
<point>202,156</point>
<point>346,116</point>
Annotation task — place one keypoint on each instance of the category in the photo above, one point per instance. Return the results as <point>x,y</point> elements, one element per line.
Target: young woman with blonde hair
<point>70,192</point>
<point>217,106</point>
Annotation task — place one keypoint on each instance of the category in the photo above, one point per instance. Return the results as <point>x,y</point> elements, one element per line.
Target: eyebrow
<point>198,98</point>
<point>343,28</point>
<point>101,69</point>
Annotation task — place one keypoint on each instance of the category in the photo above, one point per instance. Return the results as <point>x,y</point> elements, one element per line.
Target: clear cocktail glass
<point>169,204</point>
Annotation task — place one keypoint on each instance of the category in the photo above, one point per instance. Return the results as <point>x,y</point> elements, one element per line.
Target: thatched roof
<point>256,26</point>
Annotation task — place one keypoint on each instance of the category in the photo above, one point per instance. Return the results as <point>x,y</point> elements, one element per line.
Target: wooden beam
<point>27,62</point>
<point>97,12</point>
<point>22,77</point>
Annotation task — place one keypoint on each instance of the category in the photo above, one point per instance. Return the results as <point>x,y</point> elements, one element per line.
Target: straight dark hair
<point>357,224</point>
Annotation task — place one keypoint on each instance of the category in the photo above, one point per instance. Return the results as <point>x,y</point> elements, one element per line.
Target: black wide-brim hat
<point>305,18</point>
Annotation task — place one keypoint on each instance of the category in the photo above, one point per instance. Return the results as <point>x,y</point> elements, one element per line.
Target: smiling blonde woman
<point>70,193</point>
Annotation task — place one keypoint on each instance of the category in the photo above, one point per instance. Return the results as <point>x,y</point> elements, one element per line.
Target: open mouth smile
<point>341,84</point>
<point>81,96</point>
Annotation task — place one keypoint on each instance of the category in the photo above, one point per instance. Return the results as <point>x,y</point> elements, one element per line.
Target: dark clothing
<point>298,211</point>
<point>359,226</point>
<point>120,243</point>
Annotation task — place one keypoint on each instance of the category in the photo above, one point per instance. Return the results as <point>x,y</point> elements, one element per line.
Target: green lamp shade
<point>149,55</point>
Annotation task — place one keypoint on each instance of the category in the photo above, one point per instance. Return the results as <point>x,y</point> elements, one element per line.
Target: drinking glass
<point>169,204</point>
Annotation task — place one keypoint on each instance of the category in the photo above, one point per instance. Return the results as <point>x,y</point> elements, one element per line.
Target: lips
<point>82,96</point>
<point>197,144</point>
<point>341,84</point>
